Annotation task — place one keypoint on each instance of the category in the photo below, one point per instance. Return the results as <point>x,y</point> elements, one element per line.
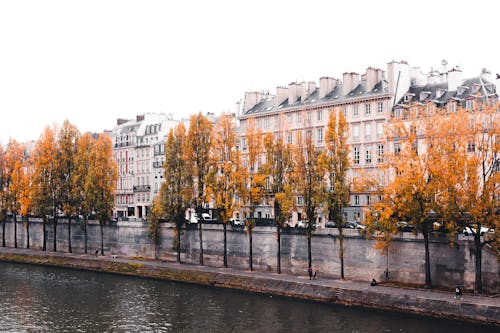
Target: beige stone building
<point>368,101</point>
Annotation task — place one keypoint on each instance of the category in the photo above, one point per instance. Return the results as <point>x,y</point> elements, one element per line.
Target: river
<point>46,299</point>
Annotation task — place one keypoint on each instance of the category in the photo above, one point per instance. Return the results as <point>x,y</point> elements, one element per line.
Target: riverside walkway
<point>473,308</point>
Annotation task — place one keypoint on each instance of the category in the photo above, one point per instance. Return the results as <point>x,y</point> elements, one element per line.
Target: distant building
<point>139,151</point>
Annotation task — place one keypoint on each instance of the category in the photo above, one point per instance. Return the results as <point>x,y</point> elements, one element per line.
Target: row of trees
<point>445,169</point>
<point>204,165</point>
<point>67,174</point>
<point>446,175</point>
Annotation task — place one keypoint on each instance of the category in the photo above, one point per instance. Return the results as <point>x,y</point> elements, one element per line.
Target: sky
<point>91,62</point>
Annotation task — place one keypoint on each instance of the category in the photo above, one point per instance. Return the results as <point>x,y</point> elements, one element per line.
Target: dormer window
<point>440,93</point>
<point>461,90</point>
<point>475,88</point>
<point>424,95</point>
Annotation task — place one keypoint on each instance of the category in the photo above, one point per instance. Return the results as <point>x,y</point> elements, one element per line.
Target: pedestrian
<point>458,292</point>
<point>373,283</point>
<point>315,271</point>
<point>96,253</point>
<point>310,271</point>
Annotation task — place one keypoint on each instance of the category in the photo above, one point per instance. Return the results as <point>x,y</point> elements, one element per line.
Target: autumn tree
<point>227,175</point>
<point>45,194</point>
<point>308,183</point>
<point>253,185</point>
<point>278,172</point>
<point>15,166</point>
<point>84,148</point>
<point>100,183</point>
<point>3,191</point>
<point>468,158</point>
<point>26,199</point>
<point>175,194</point>
<point>198,157</point>
<point>66,159</point>
<point>336,161</point>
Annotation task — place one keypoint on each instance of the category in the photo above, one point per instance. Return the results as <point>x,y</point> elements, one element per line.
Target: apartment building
<point>369,102</point>
<point>139,151</point>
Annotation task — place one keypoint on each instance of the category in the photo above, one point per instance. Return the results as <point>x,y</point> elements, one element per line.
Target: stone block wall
<point>405,260</point>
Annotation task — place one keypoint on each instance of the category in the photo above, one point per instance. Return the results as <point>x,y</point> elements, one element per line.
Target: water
<point>43,299</point>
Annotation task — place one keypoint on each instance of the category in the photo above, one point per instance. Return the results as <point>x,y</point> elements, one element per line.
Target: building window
<point>344,111</point>
<point>356,155</point>
<point>355,132</point>
<point>367,109</point>
<point>380,107</point>
<point>319,135</point>
<point>380,130</point>
<point>289,138</point>
<point>356,200</point>
<point>397,148</point>
<point>368,130</point>
<point>244,143</point>
<point>368,155</point>
<point>355,110</point>
<point>320,115</point>
<point>308,117</point>
<point>289,118</point>
<point>380,153</point>
<point>300,201</point>
<point>471,147</point>
<point>298,117</point>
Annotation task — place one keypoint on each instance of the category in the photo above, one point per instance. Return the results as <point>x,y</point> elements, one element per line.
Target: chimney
<point>281,95</point>
<point>326,85</point>
<point>121,121</point>
<point>293,93</point>
<point>140,117</point>
<point>398,77</point>
<point>351,81</point>
<point>251,99</point>
<point>454,79</point>
<point>371,78</point>
<point>486,75</point>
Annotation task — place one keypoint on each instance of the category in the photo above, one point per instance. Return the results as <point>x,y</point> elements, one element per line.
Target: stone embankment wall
<point>405,261</point>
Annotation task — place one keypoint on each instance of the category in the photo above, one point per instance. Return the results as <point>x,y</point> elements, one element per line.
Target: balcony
<point>157,164</point>
<point>124,144</point>
<point>142,188</point>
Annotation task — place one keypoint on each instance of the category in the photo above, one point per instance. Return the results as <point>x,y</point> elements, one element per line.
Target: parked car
<point>470,231</point>
<point>236,221</point>
<point>355,225</point>
<point>330,224</point>
<point>404,226</point>
<point>206,218</point>
<point>301,224</point>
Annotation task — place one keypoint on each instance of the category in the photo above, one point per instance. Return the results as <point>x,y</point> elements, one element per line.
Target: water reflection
<point>41,299</point>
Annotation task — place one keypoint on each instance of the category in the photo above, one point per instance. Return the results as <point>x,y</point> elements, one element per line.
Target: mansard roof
<point>439,94</point>
<point>268,103</point>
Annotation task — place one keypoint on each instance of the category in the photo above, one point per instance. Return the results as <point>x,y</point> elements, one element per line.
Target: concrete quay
<point>471,308</point>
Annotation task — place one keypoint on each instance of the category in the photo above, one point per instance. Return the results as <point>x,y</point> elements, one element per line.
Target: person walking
<point>310,271</point>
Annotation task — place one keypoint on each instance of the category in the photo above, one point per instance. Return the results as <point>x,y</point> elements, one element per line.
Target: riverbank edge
<point>274,284</point>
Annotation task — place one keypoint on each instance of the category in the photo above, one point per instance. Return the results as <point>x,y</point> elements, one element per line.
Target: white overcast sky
<point>94,61</point>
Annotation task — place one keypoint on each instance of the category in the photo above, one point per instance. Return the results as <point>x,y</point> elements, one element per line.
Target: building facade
<point>139,151</point>
<point>369,102</point>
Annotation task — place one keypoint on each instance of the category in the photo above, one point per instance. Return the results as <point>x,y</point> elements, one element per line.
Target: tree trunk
<point>309,254</point>
<point>250,250</point>
<point>225,244</point>
<point>44,232</point>
<point>3,230</point>
<point>179,242</point>
<point>200,233</point>
<point>428,282</point>
<point>85,234</point>
<point>102,237</point>
<point>26,220</point>
<point>55,233</point>
<point>15,230</point>
<point>69,235</point>
<point>478,283</point>
<point>278,254</point>
<point>341,251</point>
